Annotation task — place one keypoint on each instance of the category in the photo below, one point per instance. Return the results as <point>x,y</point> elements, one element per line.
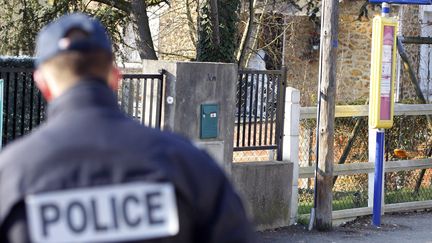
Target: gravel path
<point>396,228</point>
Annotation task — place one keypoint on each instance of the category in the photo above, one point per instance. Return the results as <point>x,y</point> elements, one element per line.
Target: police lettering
<point>80,215</point>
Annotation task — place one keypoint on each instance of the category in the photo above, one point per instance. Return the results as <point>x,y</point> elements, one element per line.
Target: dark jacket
<point>87,142</point>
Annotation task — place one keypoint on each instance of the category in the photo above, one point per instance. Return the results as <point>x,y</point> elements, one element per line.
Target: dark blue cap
<point>51,39</point>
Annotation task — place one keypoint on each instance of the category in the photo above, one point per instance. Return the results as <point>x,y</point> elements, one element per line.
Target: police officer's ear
<point>41,83</point>
<point>114,78</point>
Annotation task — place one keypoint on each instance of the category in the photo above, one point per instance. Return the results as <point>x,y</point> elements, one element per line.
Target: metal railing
<point>24,106</point>
<point>259,110</point>
<point>140,96</point>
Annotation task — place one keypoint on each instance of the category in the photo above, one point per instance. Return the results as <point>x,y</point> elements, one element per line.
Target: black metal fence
<point>140,96</point>
<point>24,106</point>
<point>260,110</point>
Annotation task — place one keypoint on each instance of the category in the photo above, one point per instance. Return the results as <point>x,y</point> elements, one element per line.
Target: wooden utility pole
<point>329,43</point>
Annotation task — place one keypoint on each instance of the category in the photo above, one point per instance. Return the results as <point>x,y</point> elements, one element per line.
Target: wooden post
<point>329,43</point>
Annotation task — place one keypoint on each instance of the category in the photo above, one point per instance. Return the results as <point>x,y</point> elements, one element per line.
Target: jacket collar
<point>86,94</point>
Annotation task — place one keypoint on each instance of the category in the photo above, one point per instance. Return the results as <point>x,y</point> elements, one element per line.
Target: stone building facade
<point>353,61</point>
<point>178,36</point>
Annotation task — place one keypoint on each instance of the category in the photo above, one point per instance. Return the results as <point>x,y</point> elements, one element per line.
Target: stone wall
<point>353,55</point>
<point>177,35</point>
<point>301,61</point>
<point>353,64</point>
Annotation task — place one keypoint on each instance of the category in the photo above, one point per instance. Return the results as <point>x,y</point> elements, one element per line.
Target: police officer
<point>90,174</point>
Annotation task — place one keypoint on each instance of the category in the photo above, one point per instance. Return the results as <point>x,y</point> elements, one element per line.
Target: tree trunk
<point>329,38</point>
<point>215,22</point>
<point>141,27</point>
<point>246,34</point>
<point>257,32</point>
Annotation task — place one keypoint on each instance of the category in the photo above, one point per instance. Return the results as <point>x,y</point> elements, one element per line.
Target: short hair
<point>72,65</point>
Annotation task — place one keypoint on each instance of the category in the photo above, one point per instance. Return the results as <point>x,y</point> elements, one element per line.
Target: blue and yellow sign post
<point>381,101</point>
<point>383,70</point>
<point>381,105</point>
<point>1,112</point>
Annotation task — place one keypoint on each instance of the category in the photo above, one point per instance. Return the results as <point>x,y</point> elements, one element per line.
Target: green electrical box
<point>209,121</point>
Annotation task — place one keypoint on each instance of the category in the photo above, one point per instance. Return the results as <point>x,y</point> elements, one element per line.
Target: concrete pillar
<point>188,85</point>
<point>291,143</point>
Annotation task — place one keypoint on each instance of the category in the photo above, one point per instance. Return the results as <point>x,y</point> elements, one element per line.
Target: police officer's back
<point>92,174</point>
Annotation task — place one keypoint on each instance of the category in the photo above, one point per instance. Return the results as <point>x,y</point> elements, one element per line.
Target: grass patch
<point>354,199</point>
<point>408,195</point>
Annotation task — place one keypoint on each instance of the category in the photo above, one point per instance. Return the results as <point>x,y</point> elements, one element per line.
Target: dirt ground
<point>395,228</point>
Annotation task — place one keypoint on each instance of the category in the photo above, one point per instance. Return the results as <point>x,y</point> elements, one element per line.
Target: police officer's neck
<point>111,79</point>
<point>59,88</point>
<point>53,85</point>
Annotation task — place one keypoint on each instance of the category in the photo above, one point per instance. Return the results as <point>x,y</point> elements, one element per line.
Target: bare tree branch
<point>118,4</point>
<point>126,6</point>
<point>247,33</point>
<point>257,32</point>
<point>190,22</point>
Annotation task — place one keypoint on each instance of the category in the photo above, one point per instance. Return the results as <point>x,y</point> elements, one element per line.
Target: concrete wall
<point>190,84</point>
<point>265,188</point>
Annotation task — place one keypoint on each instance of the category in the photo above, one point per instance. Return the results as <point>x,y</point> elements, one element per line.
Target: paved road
<point>396,228</point>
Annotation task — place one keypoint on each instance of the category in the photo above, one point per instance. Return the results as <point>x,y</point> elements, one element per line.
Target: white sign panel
<point>387,72</point>
<point>133,211</point>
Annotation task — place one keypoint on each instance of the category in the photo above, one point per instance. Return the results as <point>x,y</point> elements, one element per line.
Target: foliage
<point>228,19</point>
<point>270,39</point>
<point>341,200</point>
<point>313,9</point>
<point>21,20</point>
<point>410,133</point>
<point>408,195</point>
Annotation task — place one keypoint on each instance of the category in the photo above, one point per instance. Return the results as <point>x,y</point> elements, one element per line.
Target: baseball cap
<point>52,40</point>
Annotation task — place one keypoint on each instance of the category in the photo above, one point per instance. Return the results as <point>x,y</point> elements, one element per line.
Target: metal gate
<point>24,106</point>
<point>140,96</point>
<point>260,110</point>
